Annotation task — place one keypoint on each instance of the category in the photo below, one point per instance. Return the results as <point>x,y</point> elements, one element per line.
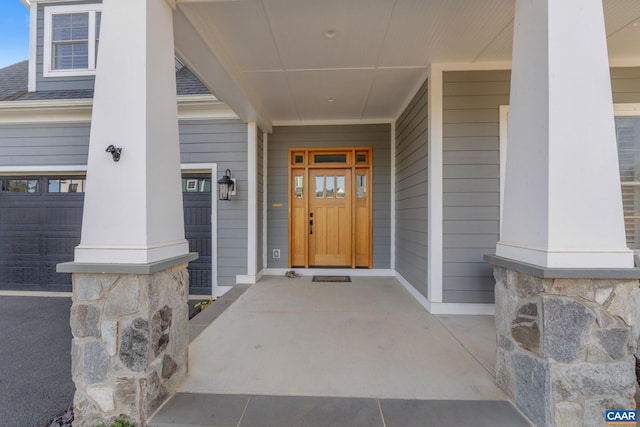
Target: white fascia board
<point>383,121</point>
<point>33,47</point>
<point>190,107</point>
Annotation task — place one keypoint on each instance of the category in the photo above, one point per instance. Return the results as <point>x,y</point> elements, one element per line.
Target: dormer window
<point>71,35</point>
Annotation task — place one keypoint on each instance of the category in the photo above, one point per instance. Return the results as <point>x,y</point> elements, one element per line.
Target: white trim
<point>331,122</point>
<point>33,46</point>
<point>221,290</point>
<point>35,294</point>
<point>213,169</point>
<point>252,198</point>
<point>190,107</point>
<point>443,307</point>
<point>42,169</point>
<point>392,254</point>
<point>375,272</point>
<point>504,129</point>
<point>435,195</point>
<point>47,60</point>
<point>473,66</point>
<point>626,110</point>
<point>265,153</point>
<point>246,279</point>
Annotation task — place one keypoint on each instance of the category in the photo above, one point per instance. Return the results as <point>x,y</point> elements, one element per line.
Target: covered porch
<point>294,350</point>
<point>556,226</point>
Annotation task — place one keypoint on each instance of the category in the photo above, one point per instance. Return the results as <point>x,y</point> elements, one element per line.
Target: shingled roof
<point>14,79</point>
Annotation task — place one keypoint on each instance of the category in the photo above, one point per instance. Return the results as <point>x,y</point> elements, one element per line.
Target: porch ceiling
<point>284,60</point>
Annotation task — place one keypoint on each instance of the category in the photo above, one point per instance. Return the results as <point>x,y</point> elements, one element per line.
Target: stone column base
<point>130,340</point>
<point>566,346</point>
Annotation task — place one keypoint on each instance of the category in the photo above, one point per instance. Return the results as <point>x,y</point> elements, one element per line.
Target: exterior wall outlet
<point>276,253</point>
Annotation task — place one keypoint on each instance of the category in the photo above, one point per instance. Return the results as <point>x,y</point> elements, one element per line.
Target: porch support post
<point>563,203</point>
<point>252,201</point>
<point>567,297</point>
<point>129,317</point>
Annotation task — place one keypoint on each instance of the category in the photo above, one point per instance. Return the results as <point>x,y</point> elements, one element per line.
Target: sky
<point>14,32</point>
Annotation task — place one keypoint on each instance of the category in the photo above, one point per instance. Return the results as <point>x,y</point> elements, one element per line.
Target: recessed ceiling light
<point>635,24</point>
<point>330,100</point>
<point>330,34</point>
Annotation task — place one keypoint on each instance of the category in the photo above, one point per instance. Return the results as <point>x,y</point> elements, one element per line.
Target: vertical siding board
<point>285,137</point>
<point>411,191</point>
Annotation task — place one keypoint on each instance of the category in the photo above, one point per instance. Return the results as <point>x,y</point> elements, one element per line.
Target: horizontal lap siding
<point>284,137</point>
<point>625,84</point>
<point>44,144</point>
<point>260,192</point>
<point>411,191</point>
<point>223,142</point>
<point>471,181</point>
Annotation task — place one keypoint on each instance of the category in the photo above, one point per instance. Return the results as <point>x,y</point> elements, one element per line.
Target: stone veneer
<point>566,346</point>
<point>130,340</point>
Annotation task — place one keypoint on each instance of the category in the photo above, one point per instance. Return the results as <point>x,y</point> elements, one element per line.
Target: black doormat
<point>332,279</point>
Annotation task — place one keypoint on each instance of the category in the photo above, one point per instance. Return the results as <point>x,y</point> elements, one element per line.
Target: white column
<point>252,201</point>
<point>562,204</point>
<point>133,208</point>
<point>436,202</point>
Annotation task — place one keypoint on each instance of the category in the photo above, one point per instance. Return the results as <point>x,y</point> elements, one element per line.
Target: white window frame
<point>49,12</point>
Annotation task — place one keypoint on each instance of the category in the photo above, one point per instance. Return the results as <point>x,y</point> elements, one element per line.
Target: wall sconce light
<point>115,152</point>
<point>226,186</point>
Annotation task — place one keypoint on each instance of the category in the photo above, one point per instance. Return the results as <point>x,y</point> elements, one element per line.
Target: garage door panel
<point>40,230</point>
<point>20,215</point>
<point>20,246</point>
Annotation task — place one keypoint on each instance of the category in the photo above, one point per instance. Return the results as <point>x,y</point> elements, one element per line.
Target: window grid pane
<point>628,137</point>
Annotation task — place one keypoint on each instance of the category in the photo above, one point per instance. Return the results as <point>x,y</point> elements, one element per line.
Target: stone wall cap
<point>150,268</point>
<point>565,273</point>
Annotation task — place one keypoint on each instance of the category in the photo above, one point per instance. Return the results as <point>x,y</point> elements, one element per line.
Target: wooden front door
<point>330,206</point>
<point>330,234</point>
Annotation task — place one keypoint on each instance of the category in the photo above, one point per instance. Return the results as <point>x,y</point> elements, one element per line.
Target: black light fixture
<point>226,186</point>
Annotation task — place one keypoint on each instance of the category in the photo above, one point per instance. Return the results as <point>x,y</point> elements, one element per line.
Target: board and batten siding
<point>412,190</point>
<point>471,181</point>
<point>57,83</point>
<point>377,136</point>
<point>223,142</point>
<point>260,201</point>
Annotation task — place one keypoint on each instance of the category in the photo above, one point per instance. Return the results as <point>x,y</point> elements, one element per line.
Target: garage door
<point>40,224</point>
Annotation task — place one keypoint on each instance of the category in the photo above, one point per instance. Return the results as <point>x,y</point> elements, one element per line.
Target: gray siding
<point>204,141</point>
<point>625,84</point>
<point>260,216</point>
<point>411,191</point>
<point>57,83</point>
<point>223,142</point>
<point>471,172</point>
<point>44,144</point>
<point>285,137</point>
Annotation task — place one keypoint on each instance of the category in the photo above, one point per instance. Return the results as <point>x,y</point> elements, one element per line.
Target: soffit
<point>279,55</point>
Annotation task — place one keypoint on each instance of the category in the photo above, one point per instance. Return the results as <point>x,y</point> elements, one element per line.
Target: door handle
<point>310,226</point>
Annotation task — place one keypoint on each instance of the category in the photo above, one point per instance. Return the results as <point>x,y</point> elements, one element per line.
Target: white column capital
<point>562,202</point>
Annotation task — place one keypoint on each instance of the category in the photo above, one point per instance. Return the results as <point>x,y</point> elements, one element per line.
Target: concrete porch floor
<point>365,347</point>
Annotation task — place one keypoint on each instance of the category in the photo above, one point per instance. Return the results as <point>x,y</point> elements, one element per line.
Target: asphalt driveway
<point>35,360</point>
